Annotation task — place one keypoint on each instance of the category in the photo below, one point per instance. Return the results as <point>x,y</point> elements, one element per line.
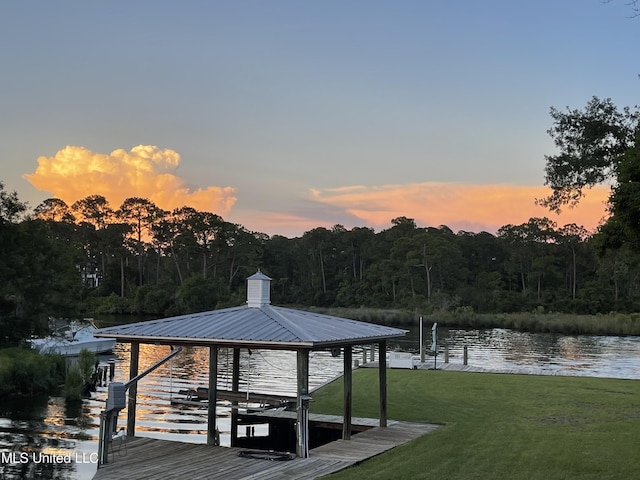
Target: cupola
<point>258,290</point>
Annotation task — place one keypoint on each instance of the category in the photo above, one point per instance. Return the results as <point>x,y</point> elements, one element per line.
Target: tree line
<point>89,258</point>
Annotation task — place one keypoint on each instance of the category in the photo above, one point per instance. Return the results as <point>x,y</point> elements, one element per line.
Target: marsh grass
<point>500,426</point>
<point>536,321</point>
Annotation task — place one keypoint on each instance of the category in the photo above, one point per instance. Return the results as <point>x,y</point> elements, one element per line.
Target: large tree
<point>625,199</point>
<point>38,274</point>
<point>96,216</point>
<point>54,210</point>
<point>11,208</point>
<point>140,214</point>
<point>592,143</point>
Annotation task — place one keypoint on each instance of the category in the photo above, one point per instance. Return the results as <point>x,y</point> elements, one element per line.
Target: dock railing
<point>115,402</point>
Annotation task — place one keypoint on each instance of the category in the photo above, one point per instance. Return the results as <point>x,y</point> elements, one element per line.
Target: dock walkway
<point>140,458</point>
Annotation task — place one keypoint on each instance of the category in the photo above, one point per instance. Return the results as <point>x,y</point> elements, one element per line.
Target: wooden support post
<point>212,431</point>
<point>348,387</point>
<point>302,430</point>
<point>235,387</point>
<point>382,381</point>
<point>465,356</point>
<point>422,353</point>
<point>133,389</point>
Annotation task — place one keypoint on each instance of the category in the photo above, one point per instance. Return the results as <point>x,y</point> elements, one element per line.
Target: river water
<point>33,432</point>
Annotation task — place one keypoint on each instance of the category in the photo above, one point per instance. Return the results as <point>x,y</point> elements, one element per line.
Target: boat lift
<point>116,401</point>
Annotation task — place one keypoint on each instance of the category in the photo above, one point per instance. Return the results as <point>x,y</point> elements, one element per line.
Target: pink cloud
<point>459,206</point>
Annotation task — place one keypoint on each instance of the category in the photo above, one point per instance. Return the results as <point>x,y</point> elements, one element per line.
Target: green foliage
<point>625,200</point>
<point>86,364</point>
<point>26,372</point>
<point>196,295</point>
<point>111,304</point>
<point>38,277</point>
<point>499,426</point>
<point>78,375</point>
<point>151,262</point>
<point>73,384</point>
<point>592,143</point>
<point>11,208</point>
<point>154,299</point>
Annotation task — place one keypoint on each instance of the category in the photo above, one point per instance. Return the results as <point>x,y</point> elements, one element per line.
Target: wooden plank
<point>202,393</point>
<point>315,417</point>
<point>140,458</point>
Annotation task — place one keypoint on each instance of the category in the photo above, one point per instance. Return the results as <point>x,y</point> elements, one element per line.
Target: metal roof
<point>265,327</point>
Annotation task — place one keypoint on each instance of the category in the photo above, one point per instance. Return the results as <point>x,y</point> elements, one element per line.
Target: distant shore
<point>535,322</point>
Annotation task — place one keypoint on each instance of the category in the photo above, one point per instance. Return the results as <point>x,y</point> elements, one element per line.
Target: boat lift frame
<point>116,401</point>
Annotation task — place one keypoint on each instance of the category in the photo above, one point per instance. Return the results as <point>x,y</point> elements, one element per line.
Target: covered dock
<point>259,325</point>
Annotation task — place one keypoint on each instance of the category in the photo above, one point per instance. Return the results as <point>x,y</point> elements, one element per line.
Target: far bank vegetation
<point>91,259</point>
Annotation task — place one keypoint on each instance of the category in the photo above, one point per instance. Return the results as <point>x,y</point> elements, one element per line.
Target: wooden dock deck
<point>140,458</point>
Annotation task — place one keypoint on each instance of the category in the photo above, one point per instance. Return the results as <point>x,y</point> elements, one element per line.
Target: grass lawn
<point>499,426</point>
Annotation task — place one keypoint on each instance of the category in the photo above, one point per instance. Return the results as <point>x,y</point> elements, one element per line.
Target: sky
<point>284,116</point>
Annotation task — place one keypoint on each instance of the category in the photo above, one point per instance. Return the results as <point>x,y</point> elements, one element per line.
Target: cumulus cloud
<point>459,206</point>
<point>145,171</point>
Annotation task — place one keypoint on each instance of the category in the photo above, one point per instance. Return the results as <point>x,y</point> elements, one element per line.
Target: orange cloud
<point>460,207</point>
<point>146,171</point>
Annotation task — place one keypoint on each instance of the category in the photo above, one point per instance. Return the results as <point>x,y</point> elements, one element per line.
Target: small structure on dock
<point>260,325</point>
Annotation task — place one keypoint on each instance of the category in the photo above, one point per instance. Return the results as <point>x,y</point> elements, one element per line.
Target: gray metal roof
<point>265,327</point>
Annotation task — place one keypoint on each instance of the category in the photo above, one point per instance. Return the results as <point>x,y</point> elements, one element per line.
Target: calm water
<point>47,427</point>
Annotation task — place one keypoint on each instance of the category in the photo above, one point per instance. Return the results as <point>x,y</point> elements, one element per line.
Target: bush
<point>113,304</point>
<point>25,372</point>
<point>79,375</point>
<point>73,384</point>
<point>153,299</point>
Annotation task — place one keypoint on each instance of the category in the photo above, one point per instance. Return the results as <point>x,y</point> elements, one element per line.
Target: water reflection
<point>546,353</point>
<point>32,430</point>
<point>49,427</point>
<point>262,371</point>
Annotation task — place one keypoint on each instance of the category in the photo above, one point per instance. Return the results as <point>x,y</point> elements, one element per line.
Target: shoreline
<point>512,370</point>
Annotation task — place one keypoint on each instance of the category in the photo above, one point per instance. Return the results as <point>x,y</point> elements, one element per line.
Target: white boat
<point>72,339</point>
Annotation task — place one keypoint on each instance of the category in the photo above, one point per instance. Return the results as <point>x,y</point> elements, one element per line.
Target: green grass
<point>500,426</point>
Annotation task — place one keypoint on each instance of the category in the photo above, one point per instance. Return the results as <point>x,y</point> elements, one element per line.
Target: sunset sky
<point>288,115</point>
